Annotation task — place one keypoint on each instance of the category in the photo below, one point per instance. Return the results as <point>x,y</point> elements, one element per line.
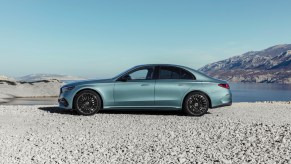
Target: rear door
<point>171,85</point>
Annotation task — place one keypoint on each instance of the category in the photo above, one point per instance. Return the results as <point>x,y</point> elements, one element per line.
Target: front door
<point>135,89</point>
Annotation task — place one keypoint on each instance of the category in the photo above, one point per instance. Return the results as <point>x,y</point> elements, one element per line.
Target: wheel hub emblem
<point>196,104</point>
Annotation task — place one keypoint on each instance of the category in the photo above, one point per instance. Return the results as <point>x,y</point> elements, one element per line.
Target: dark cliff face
<point>272,65</point>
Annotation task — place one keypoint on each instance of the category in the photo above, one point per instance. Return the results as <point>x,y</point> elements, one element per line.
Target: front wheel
<point>196,104</point>
<point>87,102</point>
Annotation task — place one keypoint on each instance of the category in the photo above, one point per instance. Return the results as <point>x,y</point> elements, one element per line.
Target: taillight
<point>224,86</point>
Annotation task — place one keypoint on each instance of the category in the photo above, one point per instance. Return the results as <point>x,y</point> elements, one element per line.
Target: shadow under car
<point>118,111</point>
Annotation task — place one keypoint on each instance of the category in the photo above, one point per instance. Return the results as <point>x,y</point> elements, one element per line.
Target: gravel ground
<point>244,132</point>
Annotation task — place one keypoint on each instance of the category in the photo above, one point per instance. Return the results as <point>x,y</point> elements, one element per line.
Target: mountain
<point>5,78</point>
<point>39,77</point>
<point>272,65</point>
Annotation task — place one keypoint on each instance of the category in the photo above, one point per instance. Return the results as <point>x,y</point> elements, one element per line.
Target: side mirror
<point>125,78</point>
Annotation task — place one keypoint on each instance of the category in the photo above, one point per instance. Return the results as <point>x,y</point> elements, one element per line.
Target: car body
<point>162,86</point>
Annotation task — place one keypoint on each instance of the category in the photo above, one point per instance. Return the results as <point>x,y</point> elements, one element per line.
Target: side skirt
<point>143,107</point>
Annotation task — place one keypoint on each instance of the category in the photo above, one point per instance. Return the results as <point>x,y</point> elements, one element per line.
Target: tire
<point>87,102</point>
<point>196,104</point>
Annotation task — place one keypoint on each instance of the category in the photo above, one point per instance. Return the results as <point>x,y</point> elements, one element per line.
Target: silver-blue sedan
<point>155,86</point>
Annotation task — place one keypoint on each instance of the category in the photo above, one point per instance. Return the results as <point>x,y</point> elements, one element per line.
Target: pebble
<point>245,132</point>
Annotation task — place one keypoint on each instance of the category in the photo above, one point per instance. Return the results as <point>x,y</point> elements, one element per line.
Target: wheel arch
<point>197,91</point>
<point>88,89</point>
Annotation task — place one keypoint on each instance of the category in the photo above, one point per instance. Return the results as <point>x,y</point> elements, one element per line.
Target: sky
<point>101,38</point>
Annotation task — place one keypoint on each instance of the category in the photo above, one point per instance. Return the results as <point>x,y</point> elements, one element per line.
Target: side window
<point>186,75</point>
<point>169,73</point>
<point>142,74</point>
<point>174,73</point>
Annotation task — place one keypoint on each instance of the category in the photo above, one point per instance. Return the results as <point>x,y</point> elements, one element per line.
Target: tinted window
<point>174,73</point>
<point>186,75</point>
<point>142,74</point>
<point>169,73</point>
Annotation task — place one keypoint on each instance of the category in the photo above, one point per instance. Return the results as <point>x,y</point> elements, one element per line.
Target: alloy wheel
<point>197,104</point>
<point>87,103</point>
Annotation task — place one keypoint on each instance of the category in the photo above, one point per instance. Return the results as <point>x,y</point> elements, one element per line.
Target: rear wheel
<point>196,104</point>
<point>87,102</point>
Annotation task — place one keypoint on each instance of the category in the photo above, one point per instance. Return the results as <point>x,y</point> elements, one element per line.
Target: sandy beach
<point>243,132</point>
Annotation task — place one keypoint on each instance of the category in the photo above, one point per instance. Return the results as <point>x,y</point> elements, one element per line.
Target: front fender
<point>105,90</point>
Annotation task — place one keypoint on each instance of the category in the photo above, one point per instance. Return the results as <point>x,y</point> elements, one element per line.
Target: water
<point>249,92</point>
<point>242,92</point>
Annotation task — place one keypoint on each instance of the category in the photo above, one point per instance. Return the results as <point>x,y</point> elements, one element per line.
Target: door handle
<point>180,84</point>
<point>144,85</point>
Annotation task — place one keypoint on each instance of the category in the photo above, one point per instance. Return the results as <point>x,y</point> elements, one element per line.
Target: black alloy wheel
<point>87,102</point>
<point>196,104</point>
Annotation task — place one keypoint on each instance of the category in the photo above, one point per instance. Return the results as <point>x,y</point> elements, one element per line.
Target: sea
<point>252,92</point>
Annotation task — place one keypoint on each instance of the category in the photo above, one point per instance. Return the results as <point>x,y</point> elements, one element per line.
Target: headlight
<point>68,88</point>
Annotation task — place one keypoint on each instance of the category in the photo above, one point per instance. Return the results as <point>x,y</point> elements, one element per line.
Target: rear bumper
<point>222,105</point>
<point>221,99</point>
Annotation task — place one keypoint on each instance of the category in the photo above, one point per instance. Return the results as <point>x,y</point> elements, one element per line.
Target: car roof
<point>197,74</point>
<point>173,65</point>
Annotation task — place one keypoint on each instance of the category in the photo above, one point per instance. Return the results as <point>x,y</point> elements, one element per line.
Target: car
<point>150,86</point>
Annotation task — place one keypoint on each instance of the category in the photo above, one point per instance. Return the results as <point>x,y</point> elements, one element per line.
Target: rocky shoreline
<point>242,133</point>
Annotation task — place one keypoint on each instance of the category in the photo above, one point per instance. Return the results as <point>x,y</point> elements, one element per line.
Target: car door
<point>135,89</point>
<point>171,85</point>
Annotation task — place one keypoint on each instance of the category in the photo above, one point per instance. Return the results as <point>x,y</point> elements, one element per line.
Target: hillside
<point>39,77</point>
<point>272,65</point>
<point>35,85</point>
<point>5,78</point>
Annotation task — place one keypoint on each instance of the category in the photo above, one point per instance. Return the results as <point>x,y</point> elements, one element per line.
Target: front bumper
<point>63,102</point>
<point>66,100</point>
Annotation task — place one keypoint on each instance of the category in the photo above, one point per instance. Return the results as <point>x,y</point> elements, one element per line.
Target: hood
<point>84,82</point>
